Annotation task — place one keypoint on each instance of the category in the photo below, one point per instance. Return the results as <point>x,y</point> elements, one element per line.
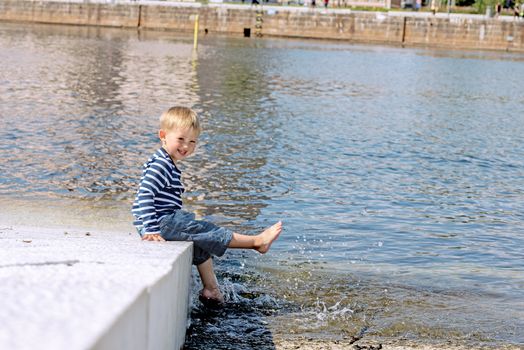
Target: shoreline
<point>280,339</point>
<point>308,343</point>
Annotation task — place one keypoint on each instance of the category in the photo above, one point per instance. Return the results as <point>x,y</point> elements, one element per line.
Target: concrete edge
<point>158,317</point>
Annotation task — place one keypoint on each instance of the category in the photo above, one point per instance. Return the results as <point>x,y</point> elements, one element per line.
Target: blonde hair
<point>180,118</point>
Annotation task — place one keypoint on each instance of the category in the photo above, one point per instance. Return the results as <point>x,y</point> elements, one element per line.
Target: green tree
<point>483,5</point>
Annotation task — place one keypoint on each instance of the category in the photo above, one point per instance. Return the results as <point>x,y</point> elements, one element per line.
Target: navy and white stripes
<point>159,193</point>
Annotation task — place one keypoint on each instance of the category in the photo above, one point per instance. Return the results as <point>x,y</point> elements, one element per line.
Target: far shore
<point>404,28</point>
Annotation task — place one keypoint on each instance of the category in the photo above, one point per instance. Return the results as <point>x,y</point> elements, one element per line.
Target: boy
<point>158,204</point>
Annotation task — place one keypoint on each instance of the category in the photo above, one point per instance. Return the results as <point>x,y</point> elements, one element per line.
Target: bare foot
<point>266,238</point>
<point>212,294</point>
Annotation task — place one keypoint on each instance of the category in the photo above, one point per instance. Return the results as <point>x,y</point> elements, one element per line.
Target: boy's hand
<point>155,237</point>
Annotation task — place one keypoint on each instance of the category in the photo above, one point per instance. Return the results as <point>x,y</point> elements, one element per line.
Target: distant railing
<point>335,3</point>
<point>306,3</point>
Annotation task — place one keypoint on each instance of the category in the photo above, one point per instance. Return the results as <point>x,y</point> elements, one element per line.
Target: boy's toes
<point>210,302</point>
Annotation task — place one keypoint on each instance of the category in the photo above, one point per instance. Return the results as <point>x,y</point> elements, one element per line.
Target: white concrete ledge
<point>80,290</point>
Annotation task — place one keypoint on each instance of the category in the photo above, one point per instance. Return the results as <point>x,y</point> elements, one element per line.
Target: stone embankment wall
<point>397,28</point>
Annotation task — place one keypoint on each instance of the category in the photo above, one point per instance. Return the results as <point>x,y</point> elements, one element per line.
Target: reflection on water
<point>398,173</point>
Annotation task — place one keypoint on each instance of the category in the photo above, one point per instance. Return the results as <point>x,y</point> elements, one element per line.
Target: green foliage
<point>483,5</point>
<point>367,8</point>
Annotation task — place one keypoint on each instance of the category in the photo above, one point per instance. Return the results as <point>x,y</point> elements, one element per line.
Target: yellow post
<point>195,40</point>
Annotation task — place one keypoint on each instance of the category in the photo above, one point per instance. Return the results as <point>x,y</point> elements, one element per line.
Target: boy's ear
<point>161,134</point>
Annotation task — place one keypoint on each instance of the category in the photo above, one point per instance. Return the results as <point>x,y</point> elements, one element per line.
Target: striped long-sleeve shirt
<point>159,193</point>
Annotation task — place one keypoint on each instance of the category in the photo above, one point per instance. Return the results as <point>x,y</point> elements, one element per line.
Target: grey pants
<point>208,239</point>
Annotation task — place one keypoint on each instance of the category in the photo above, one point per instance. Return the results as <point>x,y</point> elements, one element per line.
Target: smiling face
<point>179,143</point>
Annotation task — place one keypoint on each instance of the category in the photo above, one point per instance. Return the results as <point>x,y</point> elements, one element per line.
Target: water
<point>399,173</point>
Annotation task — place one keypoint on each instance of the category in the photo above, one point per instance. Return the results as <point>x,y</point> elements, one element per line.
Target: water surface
<point>399,173</point>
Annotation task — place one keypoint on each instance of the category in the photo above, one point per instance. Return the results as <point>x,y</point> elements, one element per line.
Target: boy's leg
<point>209,280</point>
<point>213,239</point>
<point>261,242</point>
<point>208,239</point>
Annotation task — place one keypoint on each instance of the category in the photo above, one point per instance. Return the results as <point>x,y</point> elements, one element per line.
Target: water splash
<point>240,324</point>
